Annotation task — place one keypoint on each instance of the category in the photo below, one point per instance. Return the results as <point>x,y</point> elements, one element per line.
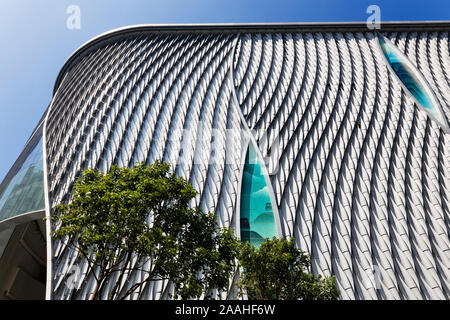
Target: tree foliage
<point>278,270</point>
<point>130,218</point>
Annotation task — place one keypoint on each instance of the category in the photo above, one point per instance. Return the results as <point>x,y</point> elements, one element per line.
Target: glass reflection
<point>412,80</point>
<point>257,220</point>
<point>25,191</point>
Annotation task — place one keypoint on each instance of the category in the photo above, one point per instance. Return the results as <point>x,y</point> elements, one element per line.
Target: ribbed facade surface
<point>358,173</point>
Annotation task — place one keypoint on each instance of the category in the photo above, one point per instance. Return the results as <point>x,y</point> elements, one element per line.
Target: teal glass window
<point>257,219</point>
<point>25,190</point>
<point>412,80</point>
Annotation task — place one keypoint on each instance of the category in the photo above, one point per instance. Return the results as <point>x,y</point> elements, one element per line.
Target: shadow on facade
<point>23,262</point>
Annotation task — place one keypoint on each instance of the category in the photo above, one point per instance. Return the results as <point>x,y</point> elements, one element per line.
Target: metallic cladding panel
<point>362,174</point>
<point>146,99</point>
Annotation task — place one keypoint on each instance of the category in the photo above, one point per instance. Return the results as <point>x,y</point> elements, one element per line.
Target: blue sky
<point>36,41</point>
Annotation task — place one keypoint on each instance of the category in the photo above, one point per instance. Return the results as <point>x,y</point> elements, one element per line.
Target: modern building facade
<point>330,133</point>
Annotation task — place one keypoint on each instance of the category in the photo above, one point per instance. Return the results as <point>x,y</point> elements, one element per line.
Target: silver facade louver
<point>356,171</point>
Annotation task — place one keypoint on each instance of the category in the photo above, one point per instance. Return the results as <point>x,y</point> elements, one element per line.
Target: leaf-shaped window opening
<point>256,213</point>
<point>413,81</point>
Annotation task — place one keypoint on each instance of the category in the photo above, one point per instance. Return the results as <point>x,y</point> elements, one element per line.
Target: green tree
<point>277,270</point>
<point>144,212</point>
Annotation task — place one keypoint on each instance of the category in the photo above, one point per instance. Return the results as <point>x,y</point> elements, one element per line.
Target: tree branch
<point>138,284</point>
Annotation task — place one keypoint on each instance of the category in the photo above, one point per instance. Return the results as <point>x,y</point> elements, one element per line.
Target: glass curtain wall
<point>257,220</point>
<point>24,192</point>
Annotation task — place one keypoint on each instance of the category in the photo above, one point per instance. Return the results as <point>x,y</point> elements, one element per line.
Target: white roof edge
<point>230,27</point>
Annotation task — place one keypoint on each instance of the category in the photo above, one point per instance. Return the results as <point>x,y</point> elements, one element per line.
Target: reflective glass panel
<point>257,220</point>
<point>25,191</point>
<point>411,78</point>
